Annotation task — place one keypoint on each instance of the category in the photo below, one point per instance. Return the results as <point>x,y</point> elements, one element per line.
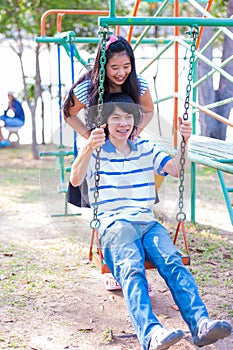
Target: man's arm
<point>80,165</point>
<point>172,167</point>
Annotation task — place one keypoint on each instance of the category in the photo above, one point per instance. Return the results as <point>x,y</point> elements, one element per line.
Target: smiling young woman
<point>120,76</point>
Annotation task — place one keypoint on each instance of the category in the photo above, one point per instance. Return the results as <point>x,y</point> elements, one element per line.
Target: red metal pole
<point>176,65</point>
<point>208,6</point>
<point>61,12</point>
<point>135,10</point>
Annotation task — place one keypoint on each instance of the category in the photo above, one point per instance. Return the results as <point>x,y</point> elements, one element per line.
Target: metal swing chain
<point>95,223</point>
<point>181,216</point>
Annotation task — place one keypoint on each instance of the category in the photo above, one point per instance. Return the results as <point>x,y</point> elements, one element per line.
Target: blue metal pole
<point>59,90</point>
<point>72,78</point>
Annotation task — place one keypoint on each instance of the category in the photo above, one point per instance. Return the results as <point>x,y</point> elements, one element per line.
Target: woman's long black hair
<point>130,86</point>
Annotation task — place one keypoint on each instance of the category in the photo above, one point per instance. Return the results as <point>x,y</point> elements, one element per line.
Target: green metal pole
<point>208,15</point>
<point>163,99</point>
<point>76,54</point>
<point>44,39</point>
<point>193,165</point>
<point>225,194</point>
<point>211,41</point>
<point>210,73</point>
<point>112,9</point>
<point>157,13</point>
<point>207,61</point>
<point>166,21</point>
<point>80,40</point>
<point>216,104</point>
<point>158,56</point>
<point>193,192</point>
<point>211,163</point>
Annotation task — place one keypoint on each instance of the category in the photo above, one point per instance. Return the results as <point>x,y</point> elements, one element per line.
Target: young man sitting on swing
<point>129,233</point>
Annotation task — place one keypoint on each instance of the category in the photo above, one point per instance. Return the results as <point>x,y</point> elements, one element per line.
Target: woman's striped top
<point>81,90</point>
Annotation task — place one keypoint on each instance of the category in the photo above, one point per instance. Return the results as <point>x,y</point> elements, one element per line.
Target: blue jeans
<point>12,122</point>
<point>125,247</point>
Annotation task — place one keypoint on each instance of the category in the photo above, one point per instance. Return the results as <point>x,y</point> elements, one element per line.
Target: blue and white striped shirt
<point>127,186</point>
<point>81,91</point>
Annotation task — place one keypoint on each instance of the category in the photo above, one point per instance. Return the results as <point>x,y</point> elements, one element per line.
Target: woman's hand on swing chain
<point>97,137</point>
<point>185,128</point>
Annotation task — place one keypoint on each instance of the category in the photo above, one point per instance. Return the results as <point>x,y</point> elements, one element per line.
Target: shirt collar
<point>109,147</point>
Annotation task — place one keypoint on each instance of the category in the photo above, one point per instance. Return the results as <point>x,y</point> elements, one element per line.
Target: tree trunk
<point>32,105</point>
<point>225,87</point>
<point>206,94</point>
<point>43,121</point>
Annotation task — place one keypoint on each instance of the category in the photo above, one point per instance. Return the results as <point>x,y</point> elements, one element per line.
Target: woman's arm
<point>172,167</point>
<point>80,165</point>
<point>147,105</point>
<point>74,121</point>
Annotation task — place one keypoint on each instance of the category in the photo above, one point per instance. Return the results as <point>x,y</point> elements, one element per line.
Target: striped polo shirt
<point>127,186</point>
<point>81,91</point>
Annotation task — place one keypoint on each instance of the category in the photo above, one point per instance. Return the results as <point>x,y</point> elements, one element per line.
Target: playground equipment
<point>209,152</point>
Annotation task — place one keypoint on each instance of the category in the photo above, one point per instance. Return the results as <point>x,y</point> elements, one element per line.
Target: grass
<point>30,273</point>
<point>211,265</point>
<point>19,175</point>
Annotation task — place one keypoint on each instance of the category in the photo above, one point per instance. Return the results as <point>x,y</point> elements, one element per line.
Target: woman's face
<point>118,69</point>
<point>120,125</point>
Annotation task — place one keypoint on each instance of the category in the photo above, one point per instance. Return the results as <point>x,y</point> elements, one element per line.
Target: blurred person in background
<point>13,117</point>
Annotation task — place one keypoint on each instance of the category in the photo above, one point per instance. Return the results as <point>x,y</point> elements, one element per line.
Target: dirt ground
<point>54,298</point>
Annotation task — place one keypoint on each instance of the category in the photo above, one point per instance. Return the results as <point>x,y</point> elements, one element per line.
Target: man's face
<point>120,124</point>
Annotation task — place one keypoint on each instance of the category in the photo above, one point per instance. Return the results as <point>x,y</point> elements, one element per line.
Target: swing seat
<point>96,256</point>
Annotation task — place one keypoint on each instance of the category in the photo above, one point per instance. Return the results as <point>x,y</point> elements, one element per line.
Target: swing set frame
<point>220,162</point>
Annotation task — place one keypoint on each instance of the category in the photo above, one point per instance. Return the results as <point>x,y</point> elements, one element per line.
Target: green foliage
<point>219,8</point>
<point>107,335</point>
<point>25,20</point>
<point>27,14</point>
